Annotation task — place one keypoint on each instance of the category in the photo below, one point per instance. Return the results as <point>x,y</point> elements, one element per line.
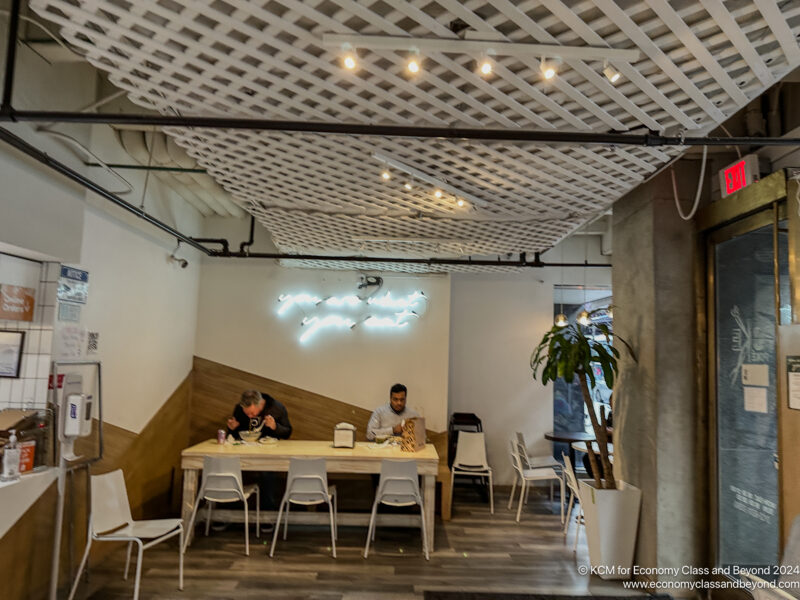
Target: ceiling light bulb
<point>460,202</point>
<point>386,176</point>
<point>438,193</point>
<point>548,68</point>
<point>349,62</point>
<point>561,320</point>
<point>584,318</point>
<point>486,67</point>
<point>408,186</point>
<point>413,65</point>
<point>611,74</point>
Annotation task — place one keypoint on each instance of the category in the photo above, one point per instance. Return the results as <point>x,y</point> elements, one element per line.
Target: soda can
<point>221,436</point>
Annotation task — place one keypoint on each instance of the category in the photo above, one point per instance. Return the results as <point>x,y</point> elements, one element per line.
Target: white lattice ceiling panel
<point>699,62</point>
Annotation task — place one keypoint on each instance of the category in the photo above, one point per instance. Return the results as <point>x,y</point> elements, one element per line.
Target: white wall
<point>238,326</point>
<point>145,310</point>
<point>495,322</point>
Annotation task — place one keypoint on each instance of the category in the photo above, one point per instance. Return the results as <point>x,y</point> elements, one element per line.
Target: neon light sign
<point>377,312</point>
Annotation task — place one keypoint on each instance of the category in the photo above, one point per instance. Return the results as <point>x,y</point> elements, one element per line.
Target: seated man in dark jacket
<point>260,412</point>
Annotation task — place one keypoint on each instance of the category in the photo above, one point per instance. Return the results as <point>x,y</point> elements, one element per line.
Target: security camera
<point>183,263</point>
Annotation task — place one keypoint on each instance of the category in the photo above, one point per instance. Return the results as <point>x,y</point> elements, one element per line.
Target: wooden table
<point>364,458</point>
<point>568,437</point>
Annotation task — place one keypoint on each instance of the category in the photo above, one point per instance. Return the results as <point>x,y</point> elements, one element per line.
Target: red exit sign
<point>739,175</point>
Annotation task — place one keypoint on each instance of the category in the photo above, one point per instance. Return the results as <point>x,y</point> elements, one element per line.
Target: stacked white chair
<point>307,484</point>
<point>536,462</point>
<point>572,484</point>
<point>222,482</point>
<point>111,521</point>
<point>525,476</point>
<point>398,486</point>
<point>471,460</point>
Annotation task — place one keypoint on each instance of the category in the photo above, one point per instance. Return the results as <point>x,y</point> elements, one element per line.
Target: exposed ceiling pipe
<point>650,139</point>
<point>244,247</point>
<point>220,195</point>
<point>133,142</point>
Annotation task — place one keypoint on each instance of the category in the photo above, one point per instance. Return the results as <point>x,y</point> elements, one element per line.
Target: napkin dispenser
<point>344,436</point>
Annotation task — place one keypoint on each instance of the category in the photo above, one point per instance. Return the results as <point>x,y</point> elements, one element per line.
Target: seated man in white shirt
<point>387,420</point>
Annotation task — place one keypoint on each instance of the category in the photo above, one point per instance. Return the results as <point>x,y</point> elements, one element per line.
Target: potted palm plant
<point>611,507</point>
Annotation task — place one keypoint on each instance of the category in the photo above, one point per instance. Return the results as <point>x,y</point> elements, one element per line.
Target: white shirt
<point>384,419</point>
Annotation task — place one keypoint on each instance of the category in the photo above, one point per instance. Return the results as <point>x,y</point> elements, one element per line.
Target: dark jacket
<point>283,428</point>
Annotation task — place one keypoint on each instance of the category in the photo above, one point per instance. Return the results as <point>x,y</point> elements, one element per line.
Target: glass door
<point>747,492</point>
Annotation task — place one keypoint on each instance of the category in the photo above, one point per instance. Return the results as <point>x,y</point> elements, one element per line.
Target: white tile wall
<point>30,390</point>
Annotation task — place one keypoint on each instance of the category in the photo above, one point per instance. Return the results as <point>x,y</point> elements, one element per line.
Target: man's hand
<point>269,421</point>
<point>232,423</point>
<point>397,429</point>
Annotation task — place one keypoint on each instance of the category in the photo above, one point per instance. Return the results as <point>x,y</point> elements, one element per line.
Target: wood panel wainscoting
<point>217,389</point>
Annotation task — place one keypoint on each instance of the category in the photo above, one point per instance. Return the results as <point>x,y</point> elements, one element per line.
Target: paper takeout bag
<point>413,435</point>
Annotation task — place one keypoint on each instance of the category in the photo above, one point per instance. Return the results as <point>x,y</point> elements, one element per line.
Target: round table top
<point>569,436</point>
<point>581,447</point>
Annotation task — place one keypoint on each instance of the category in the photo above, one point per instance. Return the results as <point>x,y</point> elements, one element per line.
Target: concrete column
<point>659,432</point>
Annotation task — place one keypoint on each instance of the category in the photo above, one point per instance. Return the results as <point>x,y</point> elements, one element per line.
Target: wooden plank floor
<point>476,551</point>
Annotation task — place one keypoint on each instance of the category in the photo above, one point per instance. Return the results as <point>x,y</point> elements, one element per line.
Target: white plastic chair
<point>536,462</point>
<point>572,484</point>
<point>111,521</point>
<point>222,482</point>
<point>527,475</point>
<point>398,486</point>
<point>307,484</point>
<point>471,460</point>
<point>765,590</point>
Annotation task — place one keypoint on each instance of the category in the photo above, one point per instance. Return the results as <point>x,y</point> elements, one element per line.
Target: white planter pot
<point>612,520</point>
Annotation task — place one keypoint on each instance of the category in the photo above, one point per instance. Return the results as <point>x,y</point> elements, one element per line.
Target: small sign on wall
<point>73,285</point>
<point>16,302</point>
<point>793,372</point>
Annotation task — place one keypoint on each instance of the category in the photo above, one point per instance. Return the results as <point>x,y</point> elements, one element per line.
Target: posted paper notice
<point>755,399</point>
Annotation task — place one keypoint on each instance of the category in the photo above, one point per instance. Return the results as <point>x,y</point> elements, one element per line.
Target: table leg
<point>189,496</point>
<point>429,499</point>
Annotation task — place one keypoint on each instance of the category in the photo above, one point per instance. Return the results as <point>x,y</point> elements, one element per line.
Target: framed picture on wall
<point>11,345</point>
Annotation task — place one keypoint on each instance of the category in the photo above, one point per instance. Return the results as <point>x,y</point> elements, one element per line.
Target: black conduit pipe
<point>458,133</point>
<point>11,56</point>
<point>244,247</point>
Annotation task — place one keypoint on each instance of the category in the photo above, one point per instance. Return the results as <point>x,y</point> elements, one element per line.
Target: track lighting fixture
<point>414,63</point>
<point>610,72</point>
<point>476,44</point>
<point>548,68</point>
<point>485,66</point>
<point>439,185</point>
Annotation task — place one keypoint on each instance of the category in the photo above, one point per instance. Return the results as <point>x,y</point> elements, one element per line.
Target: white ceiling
<point>700,62</point>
